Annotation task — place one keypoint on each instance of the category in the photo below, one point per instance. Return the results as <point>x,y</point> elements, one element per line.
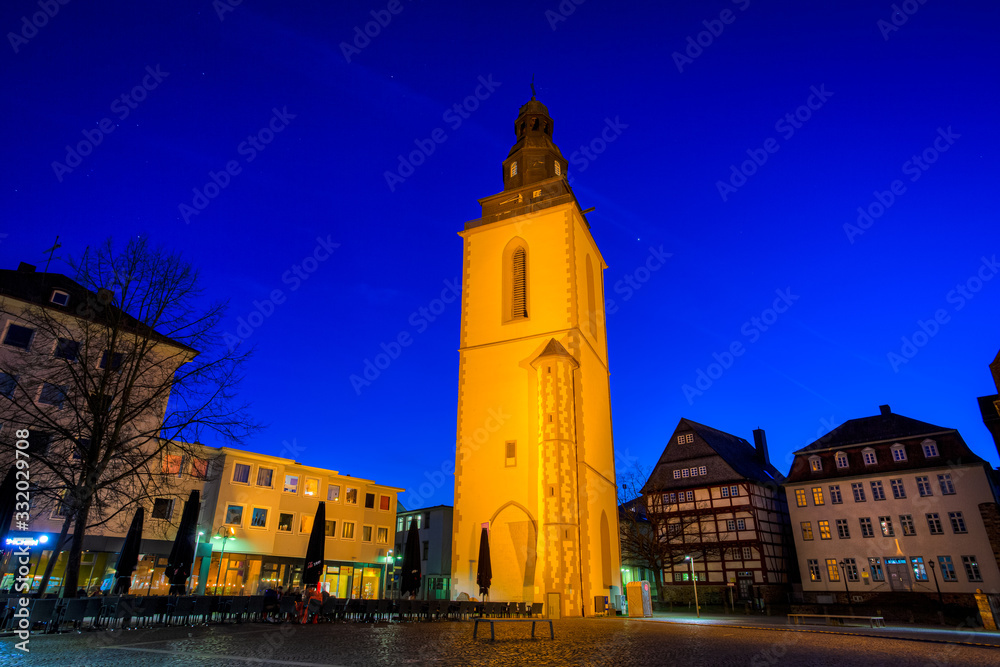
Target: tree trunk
<point>57,549</point>
<point>72,579</point>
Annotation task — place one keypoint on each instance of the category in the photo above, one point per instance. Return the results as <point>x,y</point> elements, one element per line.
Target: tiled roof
<point>873,429</point>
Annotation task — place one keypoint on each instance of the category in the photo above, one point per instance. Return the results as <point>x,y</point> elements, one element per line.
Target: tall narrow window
<point>591,298</point>
<point>518,297</point>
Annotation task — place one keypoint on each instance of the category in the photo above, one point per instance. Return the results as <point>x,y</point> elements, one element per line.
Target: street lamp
<point>694,580</point>
<point>930,563</point>
<point>847,593</point>
<point>224,533</point>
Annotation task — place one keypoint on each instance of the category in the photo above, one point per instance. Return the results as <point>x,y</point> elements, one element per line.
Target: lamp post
<point>197,541</point>
<point>224,533</point>
<point>930,563</point>
<point>847,593</point>
<point>694,580</point>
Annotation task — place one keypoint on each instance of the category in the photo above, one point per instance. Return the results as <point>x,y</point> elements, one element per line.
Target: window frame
<point>260,469</point>
<point>370,529</point>
<point>170,511</point>
<point>63,391</point>
<point>898,453</point>
<point>284,484</point>
<point>836,497</point>
<point>305,487</point>
<point>807,531</point>
<point>253,512</point>
<point>291,523</point>
<point>225,515</point>
<point>934,523</point>
<point>907,525</point>
<point>930,449</point>
<point>869,456</point>
<point>344,531</point>
<point>6,335</point>
<point>841,460</point>
<point>817,494</point>
<point>867,528</point>
<point>815,464</point>
<point>236,466</point>
<point>347,495</point>
<point>824,530</point>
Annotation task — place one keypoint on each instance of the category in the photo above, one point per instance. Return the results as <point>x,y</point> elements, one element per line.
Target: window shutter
<point>518,301</point>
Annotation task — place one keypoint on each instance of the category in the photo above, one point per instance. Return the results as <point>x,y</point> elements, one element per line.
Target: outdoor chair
<point>384,610</point>
<point>120,611</point>
<point>220,607</point>
<point>286,607</point>
<point>10,606</point>
<point>255,607</point>
<point>152,607</point>
<point>329,609</point>
<point>202,608</point>
<point>371,607</point>
<point>536,609</point>
<point>42,611</point>
<point>354,609</point>
<point>405,609</point>
<point>466,608</point>
<point>183,607</point>
<point>313,609</point>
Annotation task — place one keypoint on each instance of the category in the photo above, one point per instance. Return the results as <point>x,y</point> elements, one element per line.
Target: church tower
<point>534,458</point>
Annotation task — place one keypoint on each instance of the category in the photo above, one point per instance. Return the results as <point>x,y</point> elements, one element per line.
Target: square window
<point>957,522</point>
<point>835,496</point>
<point>8,383</point>
<point>285,521</point>
<point>311,487</point>
<point>702,470</point>
<point>351,496</point>
<point>382,536</point>
<point>947,568</point>
<point>366,533</point>
<point>384,503</point>
<point>348,532</point>
<point>172,464</point>
<point>199,468</point>
<point>258,517</point>
<point>306,523</point>
<point>680,440</point>
<point>67,349</point>
<point>878,493</point>
<point>972,568</point>
<point>947,488</point>
<point>330,529</point>
<point>59,297</point>
<point>866,527</point>
<point>291,484</point>
<point>163,508</point>
<point>934,523</point>
<point>18,336</point>
<point>370,502</point>
<point>688,438</point>
<point>690,496</point>
<point>265,477</point>
<point>53,395</point>
<point>898,492</point>
<point>885,522</point>
<point>677,474</point>
<point>807,531</point>
<point>333,493</point>
<point>924,486</point>
<point>906,521</point>
<point>824,530</point>
<point>116,360</point>
<point>234,515</point>
<point>241,473</point>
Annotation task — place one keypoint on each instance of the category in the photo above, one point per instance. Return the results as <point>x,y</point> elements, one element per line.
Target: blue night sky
<point>821,107</point>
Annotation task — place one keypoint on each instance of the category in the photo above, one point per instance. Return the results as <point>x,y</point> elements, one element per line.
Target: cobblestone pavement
<point>587,642</point>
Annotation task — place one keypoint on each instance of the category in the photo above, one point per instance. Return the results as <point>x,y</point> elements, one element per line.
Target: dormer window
<point>59,298</point>
<point>930,449</point>
<point>815,464</point>
<point>841,460</point>
<point>898,453</point>
<point>869,456</point>
<point>513,169</point>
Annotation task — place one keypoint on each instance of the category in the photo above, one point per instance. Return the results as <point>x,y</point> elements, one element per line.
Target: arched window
<point>513,169</point>
<point>591,298</point>
<point>515,280</point>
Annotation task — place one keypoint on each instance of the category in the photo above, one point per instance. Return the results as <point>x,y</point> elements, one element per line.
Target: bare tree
<point>118,384</point>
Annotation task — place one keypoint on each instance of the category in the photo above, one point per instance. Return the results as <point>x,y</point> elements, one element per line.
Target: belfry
<point>534,459</point>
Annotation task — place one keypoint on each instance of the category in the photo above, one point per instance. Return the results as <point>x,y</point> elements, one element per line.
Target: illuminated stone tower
<point>534,459</point>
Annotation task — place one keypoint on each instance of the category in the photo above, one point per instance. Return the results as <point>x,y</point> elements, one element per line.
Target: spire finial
<point>532,86</point>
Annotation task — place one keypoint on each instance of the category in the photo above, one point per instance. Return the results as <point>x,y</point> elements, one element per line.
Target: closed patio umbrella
<point>129,556</point>
<point>315,549</point>
<point>484,574</point>
<point>182,552</point>
<point>409,581</point>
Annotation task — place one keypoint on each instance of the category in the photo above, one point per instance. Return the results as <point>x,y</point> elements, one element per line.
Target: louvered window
<point>519,306</point>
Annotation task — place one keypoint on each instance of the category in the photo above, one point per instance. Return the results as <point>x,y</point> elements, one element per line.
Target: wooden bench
<point>831,619</point>
<point>491,621</point>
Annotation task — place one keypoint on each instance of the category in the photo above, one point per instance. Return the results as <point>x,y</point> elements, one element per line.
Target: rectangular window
<point>116,360</point>
<point>924,486</point>
<point>348,531</point>
<point>702,470</point>
<point>690,496</point>
<point>741,524</point>
<point>824,530</point>
<point>885,522</point>
<point>351,496</point>
<point>172,464</point>
<point>843,532</point>
<point>258,518</point>
<point>311,487</point>
<point>265,477</point>
<point>53,395</point>
<point>814,570</point>
<point>934,523</point>
<point>747,553</point>
<point>807,530</point>
<point>399,526</point>
<point>818,495</point>
<point>384,502</point>
<point>957,522</point>
<point>869,457</point>
<point>241,473</point>
<point>859,492</point>
<point>730,525</point>
<point>306,523</point>
<point>366,533</point>
<point>851,569</point>
<point>426,550</point>
<point>234,515</point>
<point>875,567</point>
<point>898,492</point>
<point>8,383</point>
<point>725,492</point>
<point>330,529</point>
<point>972,568</point>
<point>333,493</point>
<point>510,453</point>
<point>291,484</point>
<point>382,536</point>
<point>199,468</point>
<point>930,450</point>
<point>835,496</point>
<point>685,472</point>
<point>866,527</point>
<point>163,508</point>
<point>832,572</point>
<point>734,491</point>
<point>878,493</point>
<point>919,569</point>
<point>947,488</point>
<point>815,464</point>
<point>285,521</point>
<point>906,521</point>
<point>18,336</point>
<point>947,568</point>
<point>677,474</point>
<point>800,497</point>
<point>898,454</point>
<point>67,349</point>
<point>370,501</point>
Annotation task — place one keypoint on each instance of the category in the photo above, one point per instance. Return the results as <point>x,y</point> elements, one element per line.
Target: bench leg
<point>533,629</point>
<point>492,636</point>
<point>552,633</point>
<point>475,628</point>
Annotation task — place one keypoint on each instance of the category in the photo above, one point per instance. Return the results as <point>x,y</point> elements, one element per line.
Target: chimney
<point>884,409</point>
<point>24,267</point>
<point>760,442</point>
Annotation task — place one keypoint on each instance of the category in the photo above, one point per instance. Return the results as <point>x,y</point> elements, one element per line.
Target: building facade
<point>534,455</point>
<point>434,525</point>
<point>716,499</point>
<point>889,504</point>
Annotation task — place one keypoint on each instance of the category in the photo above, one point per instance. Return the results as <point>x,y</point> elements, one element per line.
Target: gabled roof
<point>886,426</point>
<point>737,454</point>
